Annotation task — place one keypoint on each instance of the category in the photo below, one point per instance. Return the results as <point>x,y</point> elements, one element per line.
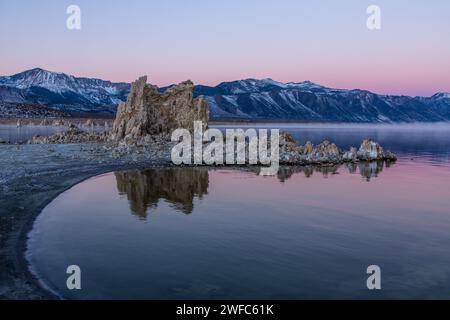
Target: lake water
<point>191,233</point>
<point>13,134</point>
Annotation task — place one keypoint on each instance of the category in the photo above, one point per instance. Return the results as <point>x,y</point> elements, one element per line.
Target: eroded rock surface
<point>371,150</point>
<point>149,112</point>
<point>327,152</point>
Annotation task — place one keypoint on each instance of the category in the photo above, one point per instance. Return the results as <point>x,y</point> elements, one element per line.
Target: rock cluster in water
<point>327,152</point>
<point>148,112</point>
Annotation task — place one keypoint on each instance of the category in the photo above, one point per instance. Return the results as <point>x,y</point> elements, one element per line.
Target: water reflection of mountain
<point>177,186</point>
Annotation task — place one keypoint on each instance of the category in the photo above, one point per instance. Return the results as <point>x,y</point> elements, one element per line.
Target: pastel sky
<point>210,41</point>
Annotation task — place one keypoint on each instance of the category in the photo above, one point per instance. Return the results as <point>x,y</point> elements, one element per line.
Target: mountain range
<point>63,92</point>
<point>249,99</point>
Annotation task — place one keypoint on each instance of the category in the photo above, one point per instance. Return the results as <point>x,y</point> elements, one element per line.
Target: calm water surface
<point>13,134</point>
<point>186,233</point>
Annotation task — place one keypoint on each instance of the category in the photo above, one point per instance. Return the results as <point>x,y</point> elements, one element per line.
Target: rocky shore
<point>291,153</point>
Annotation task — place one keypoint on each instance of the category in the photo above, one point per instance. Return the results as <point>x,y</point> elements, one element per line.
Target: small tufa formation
<point>351,155</point>
<point>328,153</point>
<point>371,150</point>
<point>149,112</point>
<point>291,153</point>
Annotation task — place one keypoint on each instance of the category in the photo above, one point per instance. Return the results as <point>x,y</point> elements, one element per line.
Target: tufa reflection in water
<point>367,170</point>
<point>179,186</point>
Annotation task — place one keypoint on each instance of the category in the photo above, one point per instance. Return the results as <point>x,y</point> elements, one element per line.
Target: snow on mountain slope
<point>62,91</point>
<point>269,99</point>
<point>247,98</point>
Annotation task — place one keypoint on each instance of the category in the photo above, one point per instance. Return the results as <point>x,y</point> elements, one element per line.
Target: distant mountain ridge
<point>269,99</point>
<point>62,92</point>
<point>249,99</point>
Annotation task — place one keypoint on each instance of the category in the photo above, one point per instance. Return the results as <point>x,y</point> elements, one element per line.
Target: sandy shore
<point>31,176</point>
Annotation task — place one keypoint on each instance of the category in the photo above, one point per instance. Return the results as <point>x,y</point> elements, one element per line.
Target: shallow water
<point>13,134</point>
<point>187,233</point>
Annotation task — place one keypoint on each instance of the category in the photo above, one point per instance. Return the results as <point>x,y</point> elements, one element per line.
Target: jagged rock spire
<point>150,112</point>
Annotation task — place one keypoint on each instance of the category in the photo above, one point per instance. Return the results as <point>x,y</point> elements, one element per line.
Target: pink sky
<point>211,41</point>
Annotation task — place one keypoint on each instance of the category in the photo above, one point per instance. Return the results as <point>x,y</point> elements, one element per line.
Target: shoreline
<point>36,177</point>
<point>33,175</point>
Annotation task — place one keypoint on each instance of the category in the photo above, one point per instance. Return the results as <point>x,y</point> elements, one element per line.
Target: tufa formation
<point>148,112</point>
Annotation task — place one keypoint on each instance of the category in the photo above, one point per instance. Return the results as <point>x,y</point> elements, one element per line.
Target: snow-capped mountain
<point>62,91</point>
<point>307,101</point>
<point>245,99</point>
